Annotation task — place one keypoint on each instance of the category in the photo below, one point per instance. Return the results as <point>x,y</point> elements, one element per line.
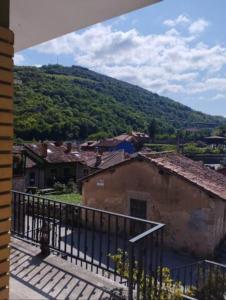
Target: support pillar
<point>6,142</point>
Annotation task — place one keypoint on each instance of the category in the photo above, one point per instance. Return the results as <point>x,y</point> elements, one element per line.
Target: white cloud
<point>198,26</point>
<point>18,59</point>
<point>180,20</point>
<point>219,97</point>
<point>167,63</point>
<point>210,84</point>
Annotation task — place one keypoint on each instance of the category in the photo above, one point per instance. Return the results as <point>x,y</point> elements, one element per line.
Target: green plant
<point>71,186</point>
<point>60,187</point>
<point>169,289</point>
<point>212,285</point>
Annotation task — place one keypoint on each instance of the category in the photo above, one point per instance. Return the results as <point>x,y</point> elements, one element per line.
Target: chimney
<point>44,149</point>
<point>69,147</point>
<point>98,160</point>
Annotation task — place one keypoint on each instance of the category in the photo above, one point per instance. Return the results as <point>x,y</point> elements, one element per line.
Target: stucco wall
<point>195,221</point>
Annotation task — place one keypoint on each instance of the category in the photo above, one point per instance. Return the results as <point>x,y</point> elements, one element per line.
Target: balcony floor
<point>34,277</point>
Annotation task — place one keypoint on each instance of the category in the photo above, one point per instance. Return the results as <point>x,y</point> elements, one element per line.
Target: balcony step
<point>54,278</point>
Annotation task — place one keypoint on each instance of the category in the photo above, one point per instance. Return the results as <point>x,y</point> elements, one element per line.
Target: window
<point>138,208</point>
<point>67,172</point>
<point>85,172</point>
<point>32,178</point>
<point>53,172</point>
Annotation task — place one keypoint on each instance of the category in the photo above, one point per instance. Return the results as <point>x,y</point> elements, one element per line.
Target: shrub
<point>59,187</point>
<point>170,290</point>
<point>212,285</point>
<point>71,186</point>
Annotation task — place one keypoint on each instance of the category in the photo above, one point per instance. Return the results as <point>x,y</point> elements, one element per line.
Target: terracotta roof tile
<point>59,154</point>
<point>107,159</point>
<point>55,154</point>
<point>193,171</point>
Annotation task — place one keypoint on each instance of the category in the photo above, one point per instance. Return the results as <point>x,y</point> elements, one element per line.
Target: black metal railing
<point>203,279</point>
<point>90,237</point>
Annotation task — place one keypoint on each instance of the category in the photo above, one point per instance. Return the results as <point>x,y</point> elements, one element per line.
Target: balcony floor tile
<point>35,277</point>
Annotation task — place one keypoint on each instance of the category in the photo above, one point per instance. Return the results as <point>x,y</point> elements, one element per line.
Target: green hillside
<point>55,102</point>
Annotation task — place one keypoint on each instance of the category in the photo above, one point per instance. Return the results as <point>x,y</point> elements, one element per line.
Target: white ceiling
<point>36,21</point>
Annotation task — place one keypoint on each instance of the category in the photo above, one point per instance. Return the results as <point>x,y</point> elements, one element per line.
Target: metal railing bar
<point>93,209</point>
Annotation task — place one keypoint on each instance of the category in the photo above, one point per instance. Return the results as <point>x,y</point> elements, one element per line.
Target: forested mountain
<point>55,102</point>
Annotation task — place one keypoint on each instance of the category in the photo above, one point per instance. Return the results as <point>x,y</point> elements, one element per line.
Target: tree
<point>152,129</point>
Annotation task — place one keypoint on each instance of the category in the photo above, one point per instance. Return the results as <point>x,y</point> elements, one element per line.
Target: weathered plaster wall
<point>195,221</point>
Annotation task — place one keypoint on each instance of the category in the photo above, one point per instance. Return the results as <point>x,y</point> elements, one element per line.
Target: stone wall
<point>195,220</point>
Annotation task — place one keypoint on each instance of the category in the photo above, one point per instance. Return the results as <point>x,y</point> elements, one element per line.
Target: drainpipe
<point>6,141</point>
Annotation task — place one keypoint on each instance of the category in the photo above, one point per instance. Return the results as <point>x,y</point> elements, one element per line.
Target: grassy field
<point>69,198</point>
<point>161,147</point>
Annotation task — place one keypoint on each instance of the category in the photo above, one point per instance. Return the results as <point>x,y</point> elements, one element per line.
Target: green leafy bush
<point>212,285</point>
<point>59,187</point>
<point>170,290</point>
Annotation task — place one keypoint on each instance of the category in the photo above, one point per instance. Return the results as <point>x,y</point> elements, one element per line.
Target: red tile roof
<point>193,171</point>
<point>133,137</point>
<point>106,160</point>
<point>55,154</point>
<point>60,154</point>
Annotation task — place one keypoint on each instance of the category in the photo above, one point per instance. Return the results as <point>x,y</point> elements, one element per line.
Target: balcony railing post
<point>131,271</point>
<point>87,234</point>
<point>44,239</point>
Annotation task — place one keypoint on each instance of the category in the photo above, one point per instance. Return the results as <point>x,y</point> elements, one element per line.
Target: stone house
<point>50,162</point>
<point>47,163</point>
<point>169,188</point>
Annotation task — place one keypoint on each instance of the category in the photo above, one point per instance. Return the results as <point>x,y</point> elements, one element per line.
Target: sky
<point>176,48</point>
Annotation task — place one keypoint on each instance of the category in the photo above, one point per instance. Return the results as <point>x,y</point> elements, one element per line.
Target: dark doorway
<point>138,209</point>
<point>32,178</point>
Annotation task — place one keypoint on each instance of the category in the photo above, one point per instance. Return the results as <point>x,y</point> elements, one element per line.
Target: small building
<point>215,141</point>
<point>168,188</point>
<point>129,142</point>
<point>51,162</point>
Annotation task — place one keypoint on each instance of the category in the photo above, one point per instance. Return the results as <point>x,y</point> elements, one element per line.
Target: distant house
<point>129,142</point>
<point>51,162</point>
<point>169,188</point>
<point>18,169</point>
<point>215,140</point>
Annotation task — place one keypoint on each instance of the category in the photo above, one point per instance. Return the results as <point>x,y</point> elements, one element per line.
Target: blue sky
<point>176,48</point>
